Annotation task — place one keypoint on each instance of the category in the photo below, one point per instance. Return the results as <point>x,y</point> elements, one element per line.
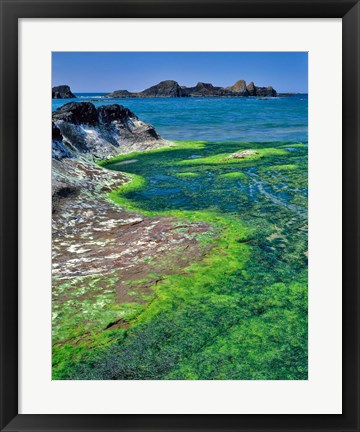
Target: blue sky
<point>135,71</point>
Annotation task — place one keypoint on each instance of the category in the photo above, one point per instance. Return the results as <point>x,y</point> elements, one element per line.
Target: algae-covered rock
<point>243,154</point>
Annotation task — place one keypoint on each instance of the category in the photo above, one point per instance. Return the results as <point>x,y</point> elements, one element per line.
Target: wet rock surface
<point>100,238</point>
<point>92,236</point>
<point>77,113</point>
<point>243,154</point>
<point>81,130</point>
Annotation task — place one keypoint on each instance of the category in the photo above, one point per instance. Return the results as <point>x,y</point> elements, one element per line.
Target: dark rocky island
<point>170,88</point>
<point>62,92</point>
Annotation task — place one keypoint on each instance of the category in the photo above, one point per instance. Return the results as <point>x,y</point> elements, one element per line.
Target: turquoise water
<point>217,119</point>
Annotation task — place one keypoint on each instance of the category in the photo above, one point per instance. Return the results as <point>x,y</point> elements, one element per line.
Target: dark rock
<point>251,89</point>
<point>56,133</point>
<point>120,94</point>
<point>168,88</point>
<point>110,113</point>
<point>173,89</point>
<point>62,92</point>
<point>206,90</point>
<point>266,91</point>
<point>59,147</point>
<point>202,89</point>
<point>81,131</point>
<point>77,113</point>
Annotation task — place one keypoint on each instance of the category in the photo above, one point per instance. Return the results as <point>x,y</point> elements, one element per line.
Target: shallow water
<point>202,185</point>
<point>235,317</point>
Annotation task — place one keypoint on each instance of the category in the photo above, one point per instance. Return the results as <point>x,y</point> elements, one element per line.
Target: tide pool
<point>241,312</point>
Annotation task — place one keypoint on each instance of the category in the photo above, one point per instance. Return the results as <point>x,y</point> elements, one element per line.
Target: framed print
<point>184,254</point>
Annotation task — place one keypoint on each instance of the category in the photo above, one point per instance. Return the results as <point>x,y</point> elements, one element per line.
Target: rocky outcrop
<point>243,154</point>
<point>82,131</point>
<point>171,88</point>
<point>239,87</point>
<point>94,237</point>
<point>120,94</point>
<point>62,92</point>
<point>83,134</point>
<point>205,90</point>
<point>251,89</point>
<point>167,88</point>
<point>265,92</point>
<point>260,91</point>
<point>77,113</point>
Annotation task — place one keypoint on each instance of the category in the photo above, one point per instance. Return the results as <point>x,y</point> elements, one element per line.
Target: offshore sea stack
<point>62,92</point>
<point>170,88</point>
<point>240,88</point>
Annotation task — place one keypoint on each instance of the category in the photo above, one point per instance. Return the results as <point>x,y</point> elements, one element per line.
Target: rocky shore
<point>91,235</point>
<point>170,88</point>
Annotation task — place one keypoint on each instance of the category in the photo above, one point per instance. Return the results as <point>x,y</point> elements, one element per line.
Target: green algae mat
<point>239,312</point>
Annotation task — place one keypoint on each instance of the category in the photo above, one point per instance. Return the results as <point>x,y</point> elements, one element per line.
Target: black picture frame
<point>11,11</point>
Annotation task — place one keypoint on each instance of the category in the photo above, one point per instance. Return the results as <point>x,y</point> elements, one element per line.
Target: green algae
<point>234,175</point>
<point>188,175</point>
<point>240,313</point>
<point>287,167</point>
<point>81,310</point>
<point>225,158</point>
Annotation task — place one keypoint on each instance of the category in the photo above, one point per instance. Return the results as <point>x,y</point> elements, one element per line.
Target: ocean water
<point>216,119</point>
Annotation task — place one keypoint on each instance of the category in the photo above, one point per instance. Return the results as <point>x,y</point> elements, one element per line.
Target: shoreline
<point>231,252</point>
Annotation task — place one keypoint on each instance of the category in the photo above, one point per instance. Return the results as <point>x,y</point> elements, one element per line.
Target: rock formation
<point>265,91</point>
<point>167,88</point>
<point>251,89</point>
<point>205,90</point>
<point>171,88</point>
<point>120,94</point>
<point>62,92</point>
<point>243,154</point>
<point>92,236</point>
<point>82,134</point>
<point>81,130</point>
<point>239,87</point>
